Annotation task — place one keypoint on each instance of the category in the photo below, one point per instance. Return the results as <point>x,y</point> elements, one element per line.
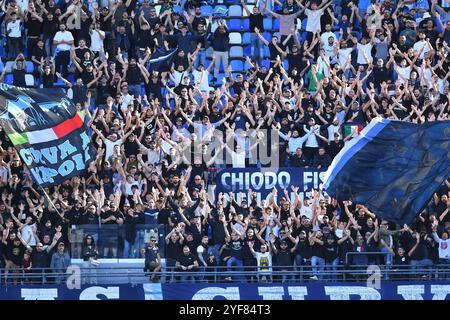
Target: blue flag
<point>393,167</point>
<point>161,60</point>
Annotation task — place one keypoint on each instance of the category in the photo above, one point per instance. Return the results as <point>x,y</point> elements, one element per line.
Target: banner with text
<point>263,180</point>
<point>47,131</point>
<point>388,290</point>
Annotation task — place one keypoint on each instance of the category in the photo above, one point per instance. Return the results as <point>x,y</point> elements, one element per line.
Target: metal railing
<point>291,274</point>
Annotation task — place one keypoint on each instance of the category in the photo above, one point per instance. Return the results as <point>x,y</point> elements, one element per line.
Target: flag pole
<point>51,201</point>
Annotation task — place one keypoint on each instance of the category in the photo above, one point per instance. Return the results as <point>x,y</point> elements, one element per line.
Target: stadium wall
<point>388,290</point>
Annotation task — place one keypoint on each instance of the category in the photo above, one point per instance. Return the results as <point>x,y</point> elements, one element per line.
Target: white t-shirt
<point>367,49</point>
<point>313,22</point>
<point>26,231</point>
<point>324,37</point>
<point>96,40</point>
<point>404,72</point>
<point>332,129</point>
<point>264,261</point>
<point>110,147</point>
<point>63,36</point>
<point>306,211</point>
<point>202,78</point>
<point>329,52</point>
<point>343,56</point>
<point>312,142</point>
<point>178,76</point>
<point>418,46</point>
<point>14,29</point>
<point>238,159</point>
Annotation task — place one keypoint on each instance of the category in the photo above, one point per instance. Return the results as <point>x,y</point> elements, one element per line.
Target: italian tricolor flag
<point>350,128</point>
<point>49,134</point>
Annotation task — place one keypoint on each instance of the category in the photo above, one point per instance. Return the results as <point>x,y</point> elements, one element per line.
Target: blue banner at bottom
<point>387,290</point>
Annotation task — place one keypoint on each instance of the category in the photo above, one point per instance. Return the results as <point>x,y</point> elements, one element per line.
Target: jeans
<point>48,44</point>
<point>233,261</point>
<point>14,45</point>
<point>317,261</point>
<point>62,61</point>
<point>134,89</point>
<point>130,250</point>
<point>201,58</point>
<point>332,266</point>
<point>388,255</point>
<point>256,48</point>
<point>187,278</point>
<point>214,249</point>
<point>220,57</point>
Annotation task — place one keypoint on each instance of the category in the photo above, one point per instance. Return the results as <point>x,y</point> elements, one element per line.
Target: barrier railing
<point>294,274</point>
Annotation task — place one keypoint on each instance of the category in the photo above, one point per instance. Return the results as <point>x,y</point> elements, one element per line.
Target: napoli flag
<point>48,132</point>
<point>392,167</point>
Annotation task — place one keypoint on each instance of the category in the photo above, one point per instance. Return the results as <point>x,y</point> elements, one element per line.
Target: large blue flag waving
<point>393,167</point>
<point>161,59</point>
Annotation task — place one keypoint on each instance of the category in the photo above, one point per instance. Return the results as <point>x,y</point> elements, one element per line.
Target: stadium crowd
<point>307,69</point>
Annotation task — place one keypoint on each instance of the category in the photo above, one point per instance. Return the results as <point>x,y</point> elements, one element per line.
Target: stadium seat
<point>9,79</point>
<point>207,11</point>
<point>266,52</point>
<point>236,52</point>
<point>8,66</point>
<point>235,11</point>
<point>304,22</point>
<point>217,11</point>
<point>29,80</point>
<point>246,38</point>
<point>266,63</point>
<point>220,78</point>
<point>276,24</point>
<point>59,83</point>
<point>235,38</point>
<point>237,65</point>
<point>234,25</point>
<point>267,24</point>
<point>246,24</point>
<point>248,51</point>
<point>30,67</point>
<point>267,36</point>
<point>1,67</point>
<point>247,66</point>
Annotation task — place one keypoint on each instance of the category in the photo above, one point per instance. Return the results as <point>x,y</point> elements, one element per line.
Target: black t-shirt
<point>19,78</point>
<point>237,248</point>
<point>284,257</point>
<point>401,261</point>
<point>133,75</point>
<point>218,231</point>
<point>117,214</point>
<point>318,250</point>
<point>33,25</point>
<point>173,250</point>
<point>187,260</point>
<point>14,252</point>
<point>49,27</point>
<point>256,21</point>
<point>330,252</point>
<point>40,259</point>
<point>303,249</point>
